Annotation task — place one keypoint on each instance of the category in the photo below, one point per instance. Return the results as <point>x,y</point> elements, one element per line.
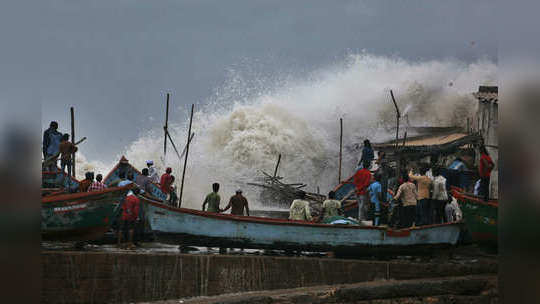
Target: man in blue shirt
<point>375,196</point>
<point>51,144</point>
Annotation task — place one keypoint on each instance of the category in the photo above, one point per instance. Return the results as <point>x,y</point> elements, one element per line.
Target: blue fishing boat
<point>199,228</point>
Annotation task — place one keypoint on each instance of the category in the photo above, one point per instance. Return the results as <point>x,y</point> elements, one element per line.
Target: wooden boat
<point>480,217</point>
<point>79,216</point>
<point>124,166</point>
<point>199,228</point>
<point>54,182</point>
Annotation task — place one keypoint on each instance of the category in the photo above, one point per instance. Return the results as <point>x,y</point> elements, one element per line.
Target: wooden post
<point>72,110</point>
<point>398,115</point>
<point>404,139</point>
<point>185,159</point>
<point>166,131</point>
<point>277,165</point>
<point>340,148</point>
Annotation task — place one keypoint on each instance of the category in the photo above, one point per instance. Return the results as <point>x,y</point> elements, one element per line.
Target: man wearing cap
<point>238,202</point>
<point>152,172</point>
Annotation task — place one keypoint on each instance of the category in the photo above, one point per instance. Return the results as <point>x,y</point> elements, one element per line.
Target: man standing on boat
<point>152,171</point>
<point>166,181</point>
<point>66,149</point>
<point>362,179</point>
<point>238,203</point>
<point>484,171</point>
<point>299,210</point>
<point>367,155</point>
<point>423,216</point>
<point>375,195</point>
<point>440,196</point>
<point>51,143</point>
<point>212,200</point>
<point>407,193</point>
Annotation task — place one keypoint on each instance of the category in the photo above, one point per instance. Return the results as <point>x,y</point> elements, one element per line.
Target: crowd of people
<point>410,200</point>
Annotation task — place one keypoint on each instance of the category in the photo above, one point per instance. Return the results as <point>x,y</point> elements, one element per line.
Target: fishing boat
<point>55,182</point>
<point>199,228</point>
<point>79,216</point>
<point>480,217</point>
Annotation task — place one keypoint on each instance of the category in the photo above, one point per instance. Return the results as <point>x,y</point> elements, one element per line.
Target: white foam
<point>243,128</point>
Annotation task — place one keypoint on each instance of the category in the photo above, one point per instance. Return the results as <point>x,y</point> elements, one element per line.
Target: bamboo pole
<point>340,148</point>
<point>185,159</point>
<point>165,129</point>
<point>404,139</point>
<point>398,115</point>
<point>277,165</point>
<point>72,110</point>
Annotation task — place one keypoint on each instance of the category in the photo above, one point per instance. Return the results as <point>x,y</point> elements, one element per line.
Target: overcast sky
<point>114,59</point>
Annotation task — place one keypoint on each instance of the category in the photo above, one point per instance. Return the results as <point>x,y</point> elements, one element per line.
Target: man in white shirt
<point>439,197</point>
<point>152,172</point>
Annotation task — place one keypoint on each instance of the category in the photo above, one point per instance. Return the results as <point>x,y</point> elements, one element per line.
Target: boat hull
<point>79,216</point>
<point>480,218</point>
<point>192,227</point>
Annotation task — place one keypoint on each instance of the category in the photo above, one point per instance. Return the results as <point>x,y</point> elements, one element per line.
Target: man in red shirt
<point>484,171</point>
<point>166,181</point>
<point>362,179</point>
<point>130,216</point>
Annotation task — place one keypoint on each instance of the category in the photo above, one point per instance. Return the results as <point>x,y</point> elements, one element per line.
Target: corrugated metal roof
<point>439,139</point>
<point>487,96</point>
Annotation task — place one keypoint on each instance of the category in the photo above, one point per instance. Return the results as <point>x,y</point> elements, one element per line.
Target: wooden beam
<point>72,110</point>
<point>340,148</point>
<point>185,159</point>
<point>165,129</point>
<point>277,165</point>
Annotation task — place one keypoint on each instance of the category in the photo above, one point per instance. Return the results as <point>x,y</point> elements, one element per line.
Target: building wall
<point>488,118</point>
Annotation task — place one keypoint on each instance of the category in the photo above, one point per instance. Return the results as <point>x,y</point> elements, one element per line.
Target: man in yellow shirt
<point>331,206</point>
<point>300,209</point>
<point>424,184</point>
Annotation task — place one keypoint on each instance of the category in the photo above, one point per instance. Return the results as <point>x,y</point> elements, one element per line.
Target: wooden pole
<point>398,115</point>
<point>340,148</point>
<point>165,129</point>
<point>185,159</point>
<point>277,165</point>
<point>404,139</point>
<point>72,110</point>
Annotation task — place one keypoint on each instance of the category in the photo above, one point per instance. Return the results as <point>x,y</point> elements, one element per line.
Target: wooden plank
<point>185,159</point>
<point>72,110</point>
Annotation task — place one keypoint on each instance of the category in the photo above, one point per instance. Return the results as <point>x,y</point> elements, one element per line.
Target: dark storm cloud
<point>113,60</point>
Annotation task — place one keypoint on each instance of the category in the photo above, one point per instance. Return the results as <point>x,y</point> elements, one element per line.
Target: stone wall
<point>98,277</point>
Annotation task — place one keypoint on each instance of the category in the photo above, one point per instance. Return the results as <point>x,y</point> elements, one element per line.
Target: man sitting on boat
<point>330,207</point>
<point>299,210</point>
<point>238,203</point>
<point>143,181</point>
<point>97,185</point>
<point>85,183</point>
<point>212,200</point>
